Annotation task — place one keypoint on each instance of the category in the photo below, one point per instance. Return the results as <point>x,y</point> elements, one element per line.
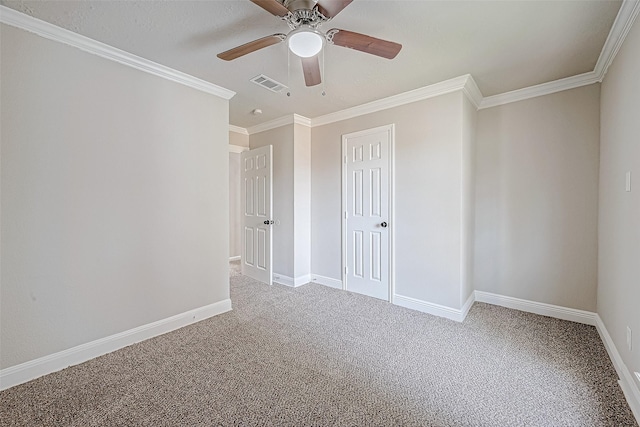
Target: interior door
<point>256,219</point>
<point>367,222</point>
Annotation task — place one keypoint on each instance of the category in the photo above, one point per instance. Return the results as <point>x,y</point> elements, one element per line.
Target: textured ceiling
<point>505,45</point>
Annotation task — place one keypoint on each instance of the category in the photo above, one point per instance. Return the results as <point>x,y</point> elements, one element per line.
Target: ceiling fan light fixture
<point>305,42</point>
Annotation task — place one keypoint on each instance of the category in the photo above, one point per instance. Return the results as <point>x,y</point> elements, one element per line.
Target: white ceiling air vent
<point>268,83</point>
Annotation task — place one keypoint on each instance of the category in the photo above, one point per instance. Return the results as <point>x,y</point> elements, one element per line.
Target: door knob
<point>383,225</point>
<point>267,222</point>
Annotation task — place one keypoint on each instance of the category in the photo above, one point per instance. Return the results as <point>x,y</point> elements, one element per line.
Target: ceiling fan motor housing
<point>294,5</point>
<point>303,12</point>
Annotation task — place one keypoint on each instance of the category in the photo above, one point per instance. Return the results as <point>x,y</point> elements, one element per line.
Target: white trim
<point>44,29</point>
<point>472,92</point>
<point>33,369</point>
<point>392,214</point>
<point>343,212</point>
<point>302,280</point>
<point>301,120</point>
<point>283,280</point>
<point>619,30</point>
<point>467,305</point>
<point>290,281</point>
<point>289,119</point>
<point>271,124</point>
<point>627,384</point>
<point>550,310</point>
<point>540,90</point>
<point>237,149</point>
<point>420,94</point>
<point>432,308</point>
<point>235,258</point>
<point>238,129</point>
<point>627,14</point>
<point>624,21</point>
<point>327,281</point>
<point>625,18</point>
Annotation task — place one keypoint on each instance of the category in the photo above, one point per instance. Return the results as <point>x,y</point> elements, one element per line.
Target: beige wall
<point>428,198</point>
<point>283,190</point>
<point>619,213</point>
<point>114,198</point>
<point>239,139</point>
<point>537,199</point>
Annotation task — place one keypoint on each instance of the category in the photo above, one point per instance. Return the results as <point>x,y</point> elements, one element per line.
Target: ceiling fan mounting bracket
<point>329,35</point>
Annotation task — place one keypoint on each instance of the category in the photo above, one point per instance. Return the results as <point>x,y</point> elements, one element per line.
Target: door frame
<point>391,130</point>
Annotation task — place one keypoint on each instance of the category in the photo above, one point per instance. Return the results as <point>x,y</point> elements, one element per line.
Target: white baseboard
<point>283,280</point>
<point>432,308</point>
<point>627,383</point>
<point>302,280</point>
<point>290,281</point>
<point>467,305</point>
<point>33,369</point>
<point>556,311</point>
<point>235,258</point>
<point>327,281</point>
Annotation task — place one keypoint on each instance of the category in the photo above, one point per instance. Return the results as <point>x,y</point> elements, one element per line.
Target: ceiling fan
<point>305,38</point>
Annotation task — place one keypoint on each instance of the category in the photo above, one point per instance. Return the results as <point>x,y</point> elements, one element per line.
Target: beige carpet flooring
<point>316,356</point>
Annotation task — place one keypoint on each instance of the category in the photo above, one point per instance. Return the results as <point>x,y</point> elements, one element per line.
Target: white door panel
<point>367,211</point>
<point>256,218</point>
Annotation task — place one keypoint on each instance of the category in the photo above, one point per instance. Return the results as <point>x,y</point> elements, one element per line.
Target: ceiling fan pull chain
<point>288,72</point>
<point>324,76</point>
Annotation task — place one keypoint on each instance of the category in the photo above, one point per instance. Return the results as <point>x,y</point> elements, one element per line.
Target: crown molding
<point>627,14</point>
<point>464,83</point>
<point>271,124</point>
<point>289,119</point>
<point>625,18</point>
<point>472,91</point>
<point>44,29</point>
<point>238,129</point>
<point>540,90</point>
<point>420,94</point>
<point>301,120</point>
<point>624,21</point>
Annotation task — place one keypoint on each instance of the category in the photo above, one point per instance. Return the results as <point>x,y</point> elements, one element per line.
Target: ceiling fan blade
<point>272,6</point>
<point>246,48</point>
<point>364,43</point>
<point>311,70</point>
<point>330,8</point>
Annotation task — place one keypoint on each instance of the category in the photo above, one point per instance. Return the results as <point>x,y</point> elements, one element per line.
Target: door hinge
<point>346,214</point>
<point>346,270</point>
<point>345,160</point>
